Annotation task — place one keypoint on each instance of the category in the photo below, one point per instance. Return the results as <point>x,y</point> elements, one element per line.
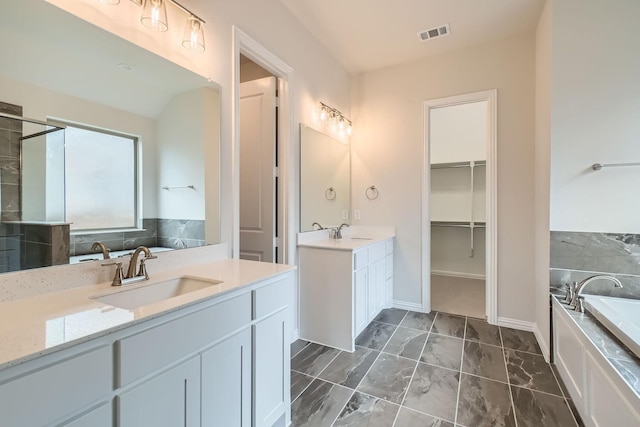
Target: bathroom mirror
<point>325,184</point>
<point>57,67</point>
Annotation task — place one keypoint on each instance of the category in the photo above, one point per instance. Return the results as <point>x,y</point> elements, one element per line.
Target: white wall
<point>542,168</point>
<point>180,134</point>
<point>40,104</point>
<point>595,115</point>
<point>388,151</point>
<point>459,133</point>
<point>318,76</point>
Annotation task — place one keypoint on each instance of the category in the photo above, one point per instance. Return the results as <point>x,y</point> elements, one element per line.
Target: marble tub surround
<point>443,386</point>
<point>29,326</point>
<point>559,278</point>
<point>180,233</point>
<point>603,252</point>
<point>623,360</point>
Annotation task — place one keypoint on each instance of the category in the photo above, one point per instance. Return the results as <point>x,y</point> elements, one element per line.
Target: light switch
<point>356,214</point>
<point>345,214</point>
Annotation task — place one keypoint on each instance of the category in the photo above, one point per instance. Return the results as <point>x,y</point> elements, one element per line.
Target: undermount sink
<point>361,238</point>
<point>142,295</point>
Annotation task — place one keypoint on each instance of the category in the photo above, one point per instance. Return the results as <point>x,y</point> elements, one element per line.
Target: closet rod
<point>457,164</point>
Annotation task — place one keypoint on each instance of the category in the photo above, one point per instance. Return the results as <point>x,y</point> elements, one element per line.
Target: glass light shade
<point>109,1</point>
<point>154,15</point>
<point>349,129</point>
<point>323,113</point>
<point>193,35</point>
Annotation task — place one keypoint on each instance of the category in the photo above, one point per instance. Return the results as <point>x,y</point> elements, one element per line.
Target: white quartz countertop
<point>33,326</point>
<point>346,243</point>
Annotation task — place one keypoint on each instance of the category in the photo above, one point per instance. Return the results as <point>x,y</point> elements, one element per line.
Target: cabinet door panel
<point>226,382</point>
<point>271,369</point>
<point>360,303</point>
<point>101,416</point>
<point>381,281</point>
<point>172,399</point>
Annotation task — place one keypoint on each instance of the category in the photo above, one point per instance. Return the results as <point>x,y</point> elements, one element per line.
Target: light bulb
<point>154,15</point>
<point>323,114</point>
<point>193,35</point>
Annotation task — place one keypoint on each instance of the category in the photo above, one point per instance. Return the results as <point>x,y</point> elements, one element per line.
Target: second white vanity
<point>344,283</point>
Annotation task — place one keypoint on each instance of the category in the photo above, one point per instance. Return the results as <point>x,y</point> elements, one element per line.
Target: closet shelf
<point>458,164</point>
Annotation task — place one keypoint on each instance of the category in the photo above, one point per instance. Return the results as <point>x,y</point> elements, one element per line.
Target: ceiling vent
<point>432,33</point>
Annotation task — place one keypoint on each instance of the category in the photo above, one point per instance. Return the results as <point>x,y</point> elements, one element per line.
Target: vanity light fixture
<point>154,17</point>
<point>336,120</point>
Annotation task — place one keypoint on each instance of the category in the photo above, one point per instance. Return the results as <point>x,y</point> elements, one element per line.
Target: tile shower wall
<point>576,256</point>
<point>10,134</point>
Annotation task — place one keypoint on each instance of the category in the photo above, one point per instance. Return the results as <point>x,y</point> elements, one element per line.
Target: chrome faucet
<point>338,231</point>
<point>576,301</point>
<point>101,246</point>
<point>121,279</point>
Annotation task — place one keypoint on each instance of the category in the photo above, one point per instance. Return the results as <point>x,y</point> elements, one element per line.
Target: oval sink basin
<point>361,238</point>
<point>139,296</point>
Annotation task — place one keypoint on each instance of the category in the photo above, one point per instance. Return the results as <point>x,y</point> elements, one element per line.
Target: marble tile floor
<point>439,370</point>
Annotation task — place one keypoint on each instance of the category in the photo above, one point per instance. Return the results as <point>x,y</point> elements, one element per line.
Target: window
<point>100,179</point>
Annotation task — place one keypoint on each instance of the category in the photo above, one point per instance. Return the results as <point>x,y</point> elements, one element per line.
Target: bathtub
<point>115,254</point>
<point>621,316</point>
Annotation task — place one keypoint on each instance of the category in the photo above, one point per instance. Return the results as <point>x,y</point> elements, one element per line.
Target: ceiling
<point>368,34</point>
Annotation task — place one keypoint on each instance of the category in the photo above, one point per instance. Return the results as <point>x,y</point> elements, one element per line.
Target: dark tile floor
<point>436,369</point>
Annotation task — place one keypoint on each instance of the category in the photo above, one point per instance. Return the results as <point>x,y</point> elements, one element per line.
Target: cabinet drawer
<point>270,298</point>
<point>376,252</point>
<point>153,349</point>
<point>56,390</point>
<point>388,246</point>
<point>360,259</point>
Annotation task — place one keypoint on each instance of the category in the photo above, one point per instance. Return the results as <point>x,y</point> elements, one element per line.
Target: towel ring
<point>330,194</point>
<point>371,192</point>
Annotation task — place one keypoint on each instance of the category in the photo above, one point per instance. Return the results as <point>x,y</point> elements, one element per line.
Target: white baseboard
<point>542,343</point>
<point>516,324</point>
<point>295,335</point>
<point>458,274</point>
<point>411,306</point>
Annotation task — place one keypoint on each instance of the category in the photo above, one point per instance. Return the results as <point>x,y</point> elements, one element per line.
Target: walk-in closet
<point>458,139</point>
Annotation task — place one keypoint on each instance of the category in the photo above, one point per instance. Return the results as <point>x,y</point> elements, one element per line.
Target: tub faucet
<point>101,246</point>
<point>576,301</point>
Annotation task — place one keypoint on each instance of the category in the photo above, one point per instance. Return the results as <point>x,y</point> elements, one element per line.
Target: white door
<point>257,169</point>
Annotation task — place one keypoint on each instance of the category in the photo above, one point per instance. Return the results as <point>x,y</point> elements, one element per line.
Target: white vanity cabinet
<point>343,288</point>
<point>600,395</point>
<point>171,398</point>
<point>220,362</point>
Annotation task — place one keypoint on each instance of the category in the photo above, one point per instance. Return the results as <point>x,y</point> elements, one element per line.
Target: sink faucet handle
<point>117,279</point>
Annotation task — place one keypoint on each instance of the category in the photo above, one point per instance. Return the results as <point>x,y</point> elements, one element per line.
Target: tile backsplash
<point>578,255</point>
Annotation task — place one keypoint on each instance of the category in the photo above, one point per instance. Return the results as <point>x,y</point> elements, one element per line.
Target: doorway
<point>280,190</point>
<point>459,206</point>
<point>258,163</point>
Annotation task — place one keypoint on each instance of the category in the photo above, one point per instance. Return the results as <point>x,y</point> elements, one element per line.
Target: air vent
<point>432,33</point>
